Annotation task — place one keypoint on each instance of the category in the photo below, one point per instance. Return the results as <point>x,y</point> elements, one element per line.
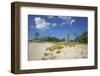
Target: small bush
<point>46,54</point>
<point>58,52</point>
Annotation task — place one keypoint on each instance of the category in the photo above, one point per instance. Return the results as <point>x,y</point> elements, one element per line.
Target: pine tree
<point>37,35</point>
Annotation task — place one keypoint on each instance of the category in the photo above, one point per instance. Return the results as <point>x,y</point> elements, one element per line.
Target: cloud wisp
<point>67,19</point>
<point>54,24</point>
<point>50,17</point>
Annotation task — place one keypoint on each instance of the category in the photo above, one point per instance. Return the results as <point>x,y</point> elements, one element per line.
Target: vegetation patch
<point>55,47</point>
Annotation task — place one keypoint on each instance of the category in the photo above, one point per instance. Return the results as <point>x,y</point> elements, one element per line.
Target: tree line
<point>82,38</point>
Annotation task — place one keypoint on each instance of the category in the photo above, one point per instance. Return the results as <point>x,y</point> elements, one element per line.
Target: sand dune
<point>37,51</point>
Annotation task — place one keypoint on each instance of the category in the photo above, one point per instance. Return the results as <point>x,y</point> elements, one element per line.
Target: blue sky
<point>56,26</point>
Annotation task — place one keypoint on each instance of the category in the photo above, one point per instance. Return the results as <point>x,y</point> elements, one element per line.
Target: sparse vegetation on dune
<point>72,48</point>
<point>65,43</point>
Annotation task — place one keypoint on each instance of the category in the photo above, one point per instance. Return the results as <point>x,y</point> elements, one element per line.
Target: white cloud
<point>67,19</point>
<point>54,24</point>
<point>50,17</point>
<point>41,24</point>
<point>63,23</point>
<point>72,21</point>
